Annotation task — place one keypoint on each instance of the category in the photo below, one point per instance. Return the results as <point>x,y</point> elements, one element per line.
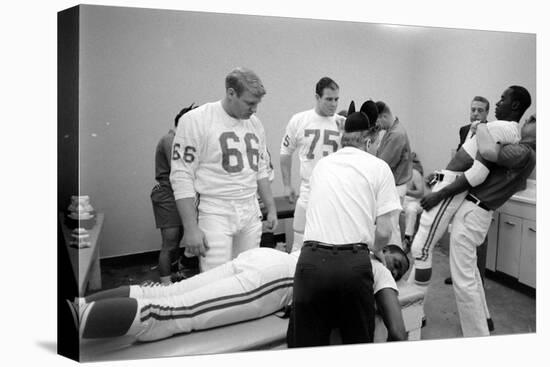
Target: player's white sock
<point>167,280</point>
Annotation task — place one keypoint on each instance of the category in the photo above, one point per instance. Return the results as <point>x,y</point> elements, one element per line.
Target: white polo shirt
<point>349,190</point>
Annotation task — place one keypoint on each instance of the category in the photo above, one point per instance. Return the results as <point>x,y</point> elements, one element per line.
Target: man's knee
<point>171,236</point>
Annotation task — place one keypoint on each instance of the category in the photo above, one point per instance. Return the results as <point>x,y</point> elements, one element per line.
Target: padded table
<point>266,333</point>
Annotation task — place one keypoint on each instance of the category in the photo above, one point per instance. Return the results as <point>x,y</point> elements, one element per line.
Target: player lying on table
<point>255,284</point>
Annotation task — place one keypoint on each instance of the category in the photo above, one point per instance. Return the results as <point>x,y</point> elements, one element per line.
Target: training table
<point>266,333</point>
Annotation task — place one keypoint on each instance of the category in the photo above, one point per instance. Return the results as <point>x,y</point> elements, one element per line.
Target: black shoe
<point>449,280</point>
<point>490,324</point>
<point>424,322</point>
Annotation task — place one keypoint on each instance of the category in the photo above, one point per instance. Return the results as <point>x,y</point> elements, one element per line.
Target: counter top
<point>529,195</point>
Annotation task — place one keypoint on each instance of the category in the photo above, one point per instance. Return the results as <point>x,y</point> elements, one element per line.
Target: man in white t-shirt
<point>219,162</point>
<point>352,200</point>
<point>315,134</point>
<point>256,283</point>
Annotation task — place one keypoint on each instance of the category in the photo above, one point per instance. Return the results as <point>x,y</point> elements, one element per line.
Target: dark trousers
<point>333,288</point>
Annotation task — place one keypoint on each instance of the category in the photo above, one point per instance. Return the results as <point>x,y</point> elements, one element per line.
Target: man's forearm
<point>383,231</point>
<point>188,212</point>
<point>264,190</point>
<point>457,186</point>
<point>286,168</point>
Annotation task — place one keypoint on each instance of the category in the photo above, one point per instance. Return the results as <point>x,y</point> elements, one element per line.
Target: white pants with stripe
<point>255,284</point>
<point>412,208</point>
<point>434,223</point>
<point>470,226</point>
<point>230,227</point>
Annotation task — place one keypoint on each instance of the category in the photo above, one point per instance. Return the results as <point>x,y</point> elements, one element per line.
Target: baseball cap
<point>357,121</point>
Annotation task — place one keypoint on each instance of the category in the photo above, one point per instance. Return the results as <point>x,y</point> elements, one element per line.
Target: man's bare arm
<point>286,169</point>
<point>390,309</point>
<point>459,185</point>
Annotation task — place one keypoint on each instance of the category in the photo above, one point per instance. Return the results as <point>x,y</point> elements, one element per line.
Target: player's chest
<point>235,148</point>
<point>318,141</point>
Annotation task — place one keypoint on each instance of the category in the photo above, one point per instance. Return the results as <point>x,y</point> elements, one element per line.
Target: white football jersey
<point>216,155</point>
<point>314,136</point>
<point>503,132</point>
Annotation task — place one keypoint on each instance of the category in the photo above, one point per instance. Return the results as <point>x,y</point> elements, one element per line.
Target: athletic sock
<point>108,318</point>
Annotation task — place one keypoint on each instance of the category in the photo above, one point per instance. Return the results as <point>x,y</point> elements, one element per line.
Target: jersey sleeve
<point>185,156</point>
<point>290,139</point>
<point>387,198</point>
<point>263,157</point>
<point>477,173</point>
<point>382,277</point>
<point>504,132</point>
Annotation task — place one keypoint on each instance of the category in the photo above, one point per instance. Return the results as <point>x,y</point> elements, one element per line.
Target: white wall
<point>139,67</point>
<point>452,68</point>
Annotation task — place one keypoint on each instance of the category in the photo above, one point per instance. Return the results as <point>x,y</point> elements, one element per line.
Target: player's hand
<point>271,220</point>
<point>430,200</point>
<point>290,193</point>
<point>195,242</point>
<point>473,126</point>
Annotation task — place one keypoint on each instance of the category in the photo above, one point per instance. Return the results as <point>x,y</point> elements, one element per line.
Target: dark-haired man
<point>436,218</point>
<point>219,162</point>
<point>395,150</point>
<point>167,218</point>
<point>479,110</point>
<point>508,174</point>
<point>352,201</point>
<point>255,284</point>
<point>314,134</point>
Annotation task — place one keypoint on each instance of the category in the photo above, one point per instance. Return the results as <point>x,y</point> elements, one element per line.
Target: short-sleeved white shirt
<point>314,136</point>
<point>382,277</point>
<point>349,190</point>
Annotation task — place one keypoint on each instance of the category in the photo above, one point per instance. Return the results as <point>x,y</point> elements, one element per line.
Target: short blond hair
<point>241,79</point>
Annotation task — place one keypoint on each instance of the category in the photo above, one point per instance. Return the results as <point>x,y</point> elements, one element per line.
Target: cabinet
<point>528,258</point>
<point>511,247</point>
<point>509,244</point>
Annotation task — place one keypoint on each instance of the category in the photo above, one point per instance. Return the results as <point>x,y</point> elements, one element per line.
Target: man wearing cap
<point>395,150</point>
<point>351,190</point>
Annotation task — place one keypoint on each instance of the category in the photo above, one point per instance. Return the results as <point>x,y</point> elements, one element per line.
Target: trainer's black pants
<point>333,288</point>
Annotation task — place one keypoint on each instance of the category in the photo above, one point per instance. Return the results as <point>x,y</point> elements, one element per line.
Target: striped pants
<point>433,224</point>
<point>257,283</point>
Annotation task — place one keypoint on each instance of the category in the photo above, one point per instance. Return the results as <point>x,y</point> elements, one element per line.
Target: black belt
<point>325,246</point>
<point>478,202</point>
